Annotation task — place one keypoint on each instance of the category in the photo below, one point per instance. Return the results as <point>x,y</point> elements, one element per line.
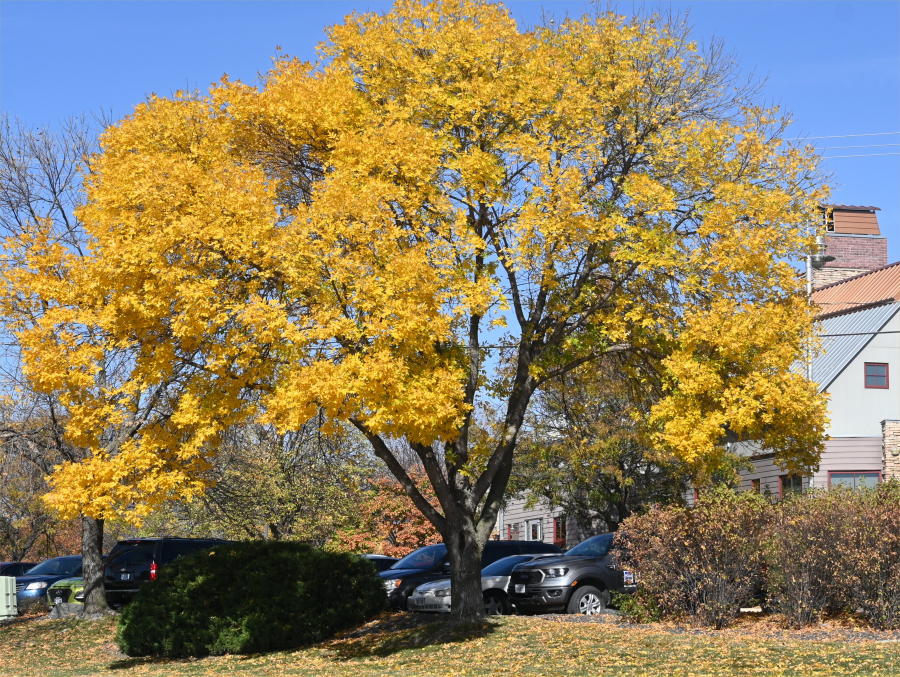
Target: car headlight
<point>443,592</point>
<point>38,585</point>
<point>392,584</point>
<point>79,596</point>
<point>555,573</point>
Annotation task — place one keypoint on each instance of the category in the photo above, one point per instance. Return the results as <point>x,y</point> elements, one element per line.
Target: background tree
<point>447,211</point>
<point>299,485</point>
<point>389,523</point>
<point>28,530</point>
<point>62,364</point>
<point>585,451</point>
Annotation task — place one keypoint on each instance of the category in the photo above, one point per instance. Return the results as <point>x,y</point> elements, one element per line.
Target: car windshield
<point>59,566</point>
<point>504,567</point>
<point>598,546</point>
<point>423,558</point>
<point>140,552</point>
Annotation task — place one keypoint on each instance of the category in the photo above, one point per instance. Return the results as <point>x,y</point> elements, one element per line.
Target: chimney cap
<point>853,208</point>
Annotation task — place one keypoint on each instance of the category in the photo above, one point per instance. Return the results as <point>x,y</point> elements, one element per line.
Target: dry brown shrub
<point>703,563</point>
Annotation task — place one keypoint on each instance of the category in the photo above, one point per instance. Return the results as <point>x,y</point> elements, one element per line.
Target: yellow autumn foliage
<point>445,209</point>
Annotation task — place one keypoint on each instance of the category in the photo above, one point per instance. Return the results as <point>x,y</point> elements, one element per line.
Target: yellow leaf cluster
<point>333,239</point>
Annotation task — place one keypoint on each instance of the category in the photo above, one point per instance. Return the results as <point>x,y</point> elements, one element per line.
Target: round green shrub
<point>249,598</point>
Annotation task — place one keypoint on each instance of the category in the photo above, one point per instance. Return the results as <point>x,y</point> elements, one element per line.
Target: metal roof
<point>855,208</point>
<point>839,351</point>
<point>870,287</point>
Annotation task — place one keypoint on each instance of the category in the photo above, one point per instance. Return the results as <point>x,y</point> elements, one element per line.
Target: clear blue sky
<point>836,65</point>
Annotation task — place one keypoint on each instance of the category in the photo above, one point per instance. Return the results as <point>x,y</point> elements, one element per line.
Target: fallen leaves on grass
<point>406,645</point>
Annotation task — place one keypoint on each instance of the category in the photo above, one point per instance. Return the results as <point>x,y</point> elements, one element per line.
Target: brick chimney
<point>853,238</point>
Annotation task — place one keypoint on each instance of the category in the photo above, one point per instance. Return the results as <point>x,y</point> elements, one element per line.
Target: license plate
<point>520,588</point>
<point>629,578</point>
<point>57,600</point>
<point>124,577</point>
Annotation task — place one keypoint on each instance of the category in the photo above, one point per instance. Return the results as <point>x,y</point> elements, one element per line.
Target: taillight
<point>153,569</point>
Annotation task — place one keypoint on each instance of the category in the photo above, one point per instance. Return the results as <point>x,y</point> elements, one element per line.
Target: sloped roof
<point>855,208</point>
<point>845,335</point>
<point>881,284</point>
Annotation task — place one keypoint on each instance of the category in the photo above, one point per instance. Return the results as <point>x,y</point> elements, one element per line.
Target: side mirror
<point>446,567</point>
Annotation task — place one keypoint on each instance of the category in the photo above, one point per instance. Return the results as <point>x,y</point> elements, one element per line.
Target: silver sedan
<point>435,597</point>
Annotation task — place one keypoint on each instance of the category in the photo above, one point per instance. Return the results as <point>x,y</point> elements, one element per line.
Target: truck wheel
<point>588,601</point>
<point>495,604</point>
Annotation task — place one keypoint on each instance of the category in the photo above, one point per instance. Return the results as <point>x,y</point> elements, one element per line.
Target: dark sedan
<point>32,587</point>
<point>432,563</point>
<point>578,582</point>
<point>15,569</point>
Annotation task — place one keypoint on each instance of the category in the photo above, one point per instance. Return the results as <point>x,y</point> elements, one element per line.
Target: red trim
<point>696,496</point>
<point>855,472</point>
<point>887,380</point>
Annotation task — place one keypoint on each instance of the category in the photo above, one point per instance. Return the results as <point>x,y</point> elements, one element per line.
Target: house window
<point>533,531</point>
<point>559,531</point>
<point>755,486</point>
<point>876,375</point>
<point>790,484</point>
<point>854,480</point>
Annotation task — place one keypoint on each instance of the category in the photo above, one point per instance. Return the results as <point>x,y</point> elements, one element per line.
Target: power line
<point>841,136</point>
<point>874,145</point>
<point>833,157</point>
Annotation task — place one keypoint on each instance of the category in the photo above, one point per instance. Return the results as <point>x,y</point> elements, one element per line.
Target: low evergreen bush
<point>249,598</point>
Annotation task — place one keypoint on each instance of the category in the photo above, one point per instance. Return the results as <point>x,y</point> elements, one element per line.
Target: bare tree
<point>40,182</point>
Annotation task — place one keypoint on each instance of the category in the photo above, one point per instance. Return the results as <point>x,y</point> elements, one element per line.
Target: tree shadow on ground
<point>389,634</point>
<point>130,663</point>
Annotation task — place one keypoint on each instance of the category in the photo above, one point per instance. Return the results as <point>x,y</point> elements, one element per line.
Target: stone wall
<point>890,445</point>
<point>831,275</point>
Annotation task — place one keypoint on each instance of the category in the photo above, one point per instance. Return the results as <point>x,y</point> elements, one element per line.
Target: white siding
<point>857,411</point>
<point>840,454</point>
<point>516,519</point>
<point>849,453</point>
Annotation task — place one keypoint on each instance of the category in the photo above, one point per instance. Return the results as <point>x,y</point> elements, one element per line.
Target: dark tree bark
<point>92,567</point>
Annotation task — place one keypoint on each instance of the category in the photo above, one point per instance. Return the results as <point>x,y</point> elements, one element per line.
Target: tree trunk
<point>92,568</point>
<point>466,597</point>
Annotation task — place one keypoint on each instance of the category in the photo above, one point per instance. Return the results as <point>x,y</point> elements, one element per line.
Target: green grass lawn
<point>401,646</point>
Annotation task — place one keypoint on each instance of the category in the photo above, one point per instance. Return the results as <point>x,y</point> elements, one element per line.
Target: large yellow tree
<point>448,211</point>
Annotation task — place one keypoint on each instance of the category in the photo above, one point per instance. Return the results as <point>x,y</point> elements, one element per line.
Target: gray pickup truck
<point>577,582</point>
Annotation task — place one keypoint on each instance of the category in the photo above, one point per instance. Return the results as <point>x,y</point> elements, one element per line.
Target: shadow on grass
<point>390,634</point>
<point>129,663</point>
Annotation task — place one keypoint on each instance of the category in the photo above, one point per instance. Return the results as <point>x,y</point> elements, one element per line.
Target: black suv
<point>135,562</point>
<point>432,563</point>
<point>578,582</point>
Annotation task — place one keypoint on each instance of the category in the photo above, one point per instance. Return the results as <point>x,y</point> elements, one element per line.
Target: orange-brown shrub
<point>703,563</point>
<point>869,554</point>
<point>803,570</point>
<point>826,550</point>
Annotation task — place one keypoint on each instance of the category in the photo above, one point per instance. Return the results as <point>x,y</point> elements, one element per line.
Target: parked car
<point>578,582</point>
<point>435,597</point>
<point>136,561</point>
<point>32,587</point>
<point>381,562</point>
<point>66,591</point>
<point>15,569</point>
<point>432,563</point>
